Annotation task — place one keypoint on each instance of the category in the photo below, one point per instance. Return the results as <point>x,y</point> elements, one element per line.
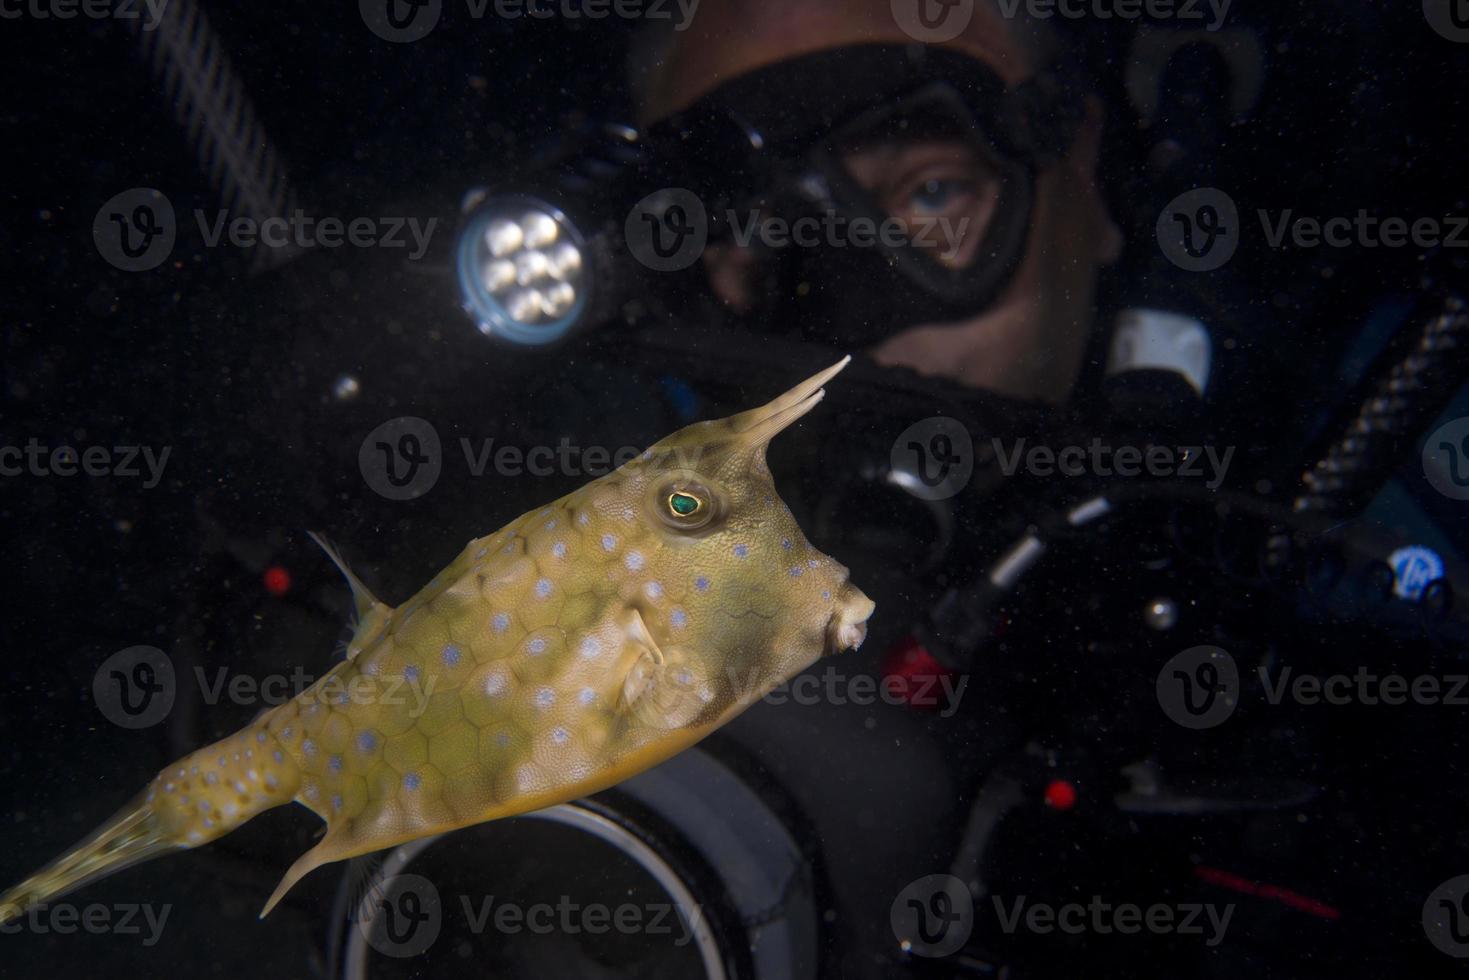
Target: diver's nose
<point>848,626</point>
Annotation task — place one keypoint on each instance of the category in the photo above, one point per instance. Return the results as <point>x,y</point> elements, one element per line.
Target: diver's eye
<point>682,504</point>
<point>686,505</point>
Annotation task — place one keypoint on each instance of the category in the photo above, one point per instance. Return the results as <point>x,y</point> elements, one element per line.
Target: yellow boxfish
<point>579,645</point>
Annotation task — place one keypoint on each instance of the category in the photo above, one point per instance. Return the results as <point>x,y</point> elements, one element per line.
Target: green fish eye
<point>684,504</point>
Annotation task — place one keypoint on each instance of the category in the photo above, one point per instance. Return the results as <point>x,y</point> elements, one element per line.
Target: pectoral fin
<point>662,688</point>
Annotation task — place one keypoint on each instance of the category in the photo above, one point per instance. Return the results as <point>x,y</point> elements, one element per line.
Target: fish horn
<point>759,425</point>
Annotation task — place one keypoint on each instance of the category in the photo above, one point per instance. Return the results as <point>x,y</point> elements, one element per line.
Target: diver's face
<point>1029,343</point>
<point>946,185</point>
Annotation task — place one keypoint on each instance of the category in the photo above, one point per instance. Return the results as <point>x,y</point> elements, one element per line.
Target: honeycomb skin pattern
<point>581,644</point>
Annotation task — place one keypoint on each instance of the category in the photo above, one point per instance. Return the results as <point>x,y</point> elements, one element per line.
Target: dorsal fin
<point>371,612</point>
<point>362,596</point>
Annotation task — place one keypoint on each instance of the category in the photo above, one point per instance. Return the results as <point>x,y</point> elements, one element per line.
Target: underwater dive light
<point>522,270</point>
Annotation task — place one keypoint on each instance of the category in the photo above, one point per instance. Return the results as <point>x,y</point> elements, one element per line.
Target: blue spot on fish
<point>411,781</point>
<point>451,655</point>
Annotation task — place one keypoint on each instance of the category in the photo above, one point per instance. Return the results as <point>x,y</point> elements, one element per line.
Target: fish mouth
<point>847,627</point>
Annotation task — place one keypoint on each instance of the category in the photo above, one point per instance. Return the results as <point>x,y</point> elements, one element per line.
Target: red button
<point>277,580</point>
<point>1060,795</point>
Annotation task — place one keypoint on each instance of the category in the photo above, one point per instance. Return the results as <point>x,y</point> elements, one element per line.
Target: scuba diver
<point>950,193</point>
<point>977,137</point>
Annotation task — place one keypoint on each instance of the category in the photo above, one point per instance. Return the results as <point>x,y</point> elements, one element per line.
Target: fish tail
<point>133,835</point>
<point>200,797</point>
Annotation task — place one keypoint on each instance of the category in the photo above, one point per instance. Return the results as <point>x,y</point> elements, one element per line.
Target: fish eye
<point>686,505</point>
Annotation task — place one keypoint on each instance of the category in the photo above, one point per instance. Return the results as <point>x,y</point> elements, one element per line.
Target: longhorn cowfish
<point>579,645</point>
